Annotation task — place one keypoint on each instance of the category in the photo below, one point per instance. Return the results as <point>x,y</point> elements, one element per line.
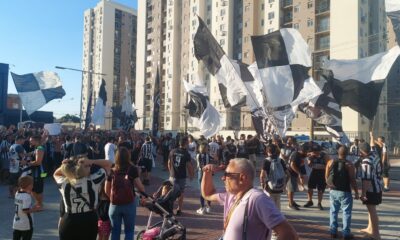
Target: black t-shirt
<point>251,146</point>
<point>127,145</point>
<point>79,148</point>
<point>299,162</point>
<point>180,157</point>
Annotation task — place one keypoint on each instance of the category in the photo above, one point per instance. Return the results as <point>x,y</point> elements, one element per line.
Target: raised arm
<point>207,184</point>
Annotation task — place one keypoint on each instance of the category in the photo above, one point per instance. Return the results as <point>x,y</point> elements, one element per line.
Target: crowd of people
<point>96,173</point>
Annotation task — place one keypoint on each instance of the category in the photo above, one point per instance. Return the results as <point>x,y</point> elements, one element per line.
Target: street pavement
<point>310,223</point>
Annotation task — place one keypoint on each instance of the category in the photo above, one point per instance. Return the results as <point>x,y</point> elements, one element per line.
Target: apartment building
<point>330,35</point>
<point>109,48</point>
<point>167,31</point>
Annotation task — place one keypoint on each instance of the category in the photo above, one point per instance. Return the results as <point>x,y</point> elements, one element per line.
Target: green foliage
<point>69,118</point>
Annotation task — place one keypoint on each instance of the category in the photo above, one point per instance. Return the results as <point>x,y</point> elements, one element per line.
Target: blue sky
<point>37,35</point>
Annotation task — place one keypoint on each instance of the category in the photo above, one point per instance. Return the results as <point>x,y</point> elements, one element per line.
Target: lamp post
<point>90,73</point>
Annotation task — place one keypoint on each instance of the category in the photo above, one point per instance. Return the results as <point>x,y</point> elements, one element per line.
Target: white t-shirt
<point>192,150</point>
<point>15,150</point>
<point>214,147</point>
<point>109,150</point>
<point>22,221</point>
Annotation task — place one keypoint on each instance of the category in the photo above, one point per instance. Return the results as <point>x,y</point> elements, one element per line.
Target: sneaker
<point>200,211</point>
<point>348,237</point>
<point>208,209</point>
<point>293,207</point>
<point>178,213</point>
<point>295,203</point>
<point>309,204</point>
<point>386,189</point>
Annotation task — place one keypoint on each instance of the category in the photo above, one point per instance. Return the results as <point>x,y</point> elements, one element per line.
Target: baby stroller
<point>162,203</point>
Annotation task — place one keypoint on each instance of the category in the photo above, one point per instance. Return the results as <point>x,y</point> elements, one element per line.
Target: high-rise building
<point>362,33</point>
<point>109,47</point>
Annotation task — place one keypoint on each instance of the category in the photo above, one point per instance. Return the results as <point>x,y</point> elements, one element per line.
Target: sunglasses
<point>230,175</point>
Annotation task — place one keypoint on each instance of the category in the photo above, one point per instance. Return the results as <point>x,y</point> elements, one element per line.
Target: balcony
<point>287,3</point>
<point>322,7</point>
<point>322,28</point>
<point>287,19</point>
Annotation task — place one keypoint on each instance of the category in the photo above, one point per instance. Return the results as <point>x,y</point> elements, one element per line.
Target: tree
<point>69,118</point>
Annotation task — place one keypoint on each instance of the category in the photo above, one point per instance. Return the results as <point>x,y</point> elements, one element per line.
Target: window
<point>271,15</point>
<point>270,30</point>
<point>262,6</point>
<point>271,1</point>
<point>297,8</point>
<point>222,42</point>
<point>310,23</point>
<point>309,5</point>
<point>296,26</point>
<point>262,22</point>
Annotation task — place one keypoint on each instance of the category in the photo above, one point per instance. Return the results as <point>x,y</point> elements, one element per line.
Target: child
<point>23,223</point>
<point>104,223</point>
<point>202,159</point>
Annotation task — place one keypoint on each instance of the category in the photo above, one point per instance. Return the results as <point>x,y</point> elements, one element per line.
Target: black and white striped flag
<point>204,115</point>
<point>358,83</point>
<point>325,110</point>
<point>207,49</point>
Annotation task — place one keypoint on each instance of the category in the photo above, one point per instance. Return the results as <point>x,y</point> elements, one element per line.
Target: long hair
<point>122,159</point>
<point>74,169</point>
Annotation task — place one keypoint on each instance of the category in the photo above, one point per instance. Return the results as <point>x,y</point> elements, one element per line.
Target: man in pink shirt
<point>248,213</point>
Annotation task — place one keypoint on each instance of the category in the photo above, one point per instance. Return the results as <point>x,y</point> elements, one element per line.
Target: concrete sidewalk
<point>310,223</point>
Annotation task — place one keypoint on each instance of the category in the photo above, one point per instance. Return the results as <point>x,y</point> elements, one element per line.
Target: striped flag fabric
<point>393,12</point>
<point>283,60</point>
<point>128,118</point>
<point>358,83</point>
<point>99,110</point>
<point>204,115</point>
<point>207,49</point>
<point>37,89</point>
<point>325,110</point>
<point>156,105</point>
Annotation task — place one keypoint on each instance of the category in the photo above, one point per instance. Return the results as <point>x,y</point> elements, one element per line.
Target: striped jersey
<point>4,152</point>
<point>147,150</point>
<point>84,195</point>
<point>372,171</point>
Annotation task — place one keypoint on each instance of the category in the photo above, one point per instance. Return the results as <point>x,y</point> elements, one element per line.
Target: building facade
<point>109,53</point>
<point>363,32</point>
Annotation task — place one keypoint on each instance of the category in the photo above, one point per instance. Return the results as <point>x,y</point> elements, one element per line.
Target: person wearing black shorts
<point>317,161</point>
<point>179,162</point>
<point>37,169</point>
<point>371,194</point>
<point>146,160</point>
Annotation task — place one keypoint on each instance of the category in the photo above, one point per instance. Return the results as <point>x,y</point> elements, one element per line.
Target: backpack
<point>276,176</point>
<point>121,188</point>
<point>338,176</point>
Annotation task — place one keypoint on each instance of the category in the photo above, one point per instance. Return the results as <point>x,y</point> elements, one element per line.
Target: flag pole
<point>311,120</point>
